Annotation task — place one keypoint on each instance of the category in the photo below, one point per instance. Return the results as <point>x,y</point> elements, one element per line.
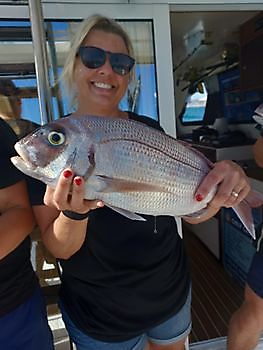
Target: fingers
<point>231,182</point>
<point>69,194</point>
<point>78,202</point>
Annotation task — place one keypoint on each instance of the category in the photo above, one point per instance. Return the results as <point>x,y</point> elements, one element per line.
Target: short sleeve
<point>9,173</point>
<point>36,191</point>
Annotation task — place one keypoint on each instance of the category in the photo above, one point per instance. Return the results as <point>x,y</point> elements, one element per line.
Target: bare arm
<point>228,176</point>
<point>258,151</point>
<point>63,236</point>
<point>16,219</point>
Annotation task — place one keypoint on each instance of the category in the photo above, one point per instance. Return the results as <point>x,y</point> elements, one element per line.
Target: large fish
<point>133,168</point>
<point>258,116</point>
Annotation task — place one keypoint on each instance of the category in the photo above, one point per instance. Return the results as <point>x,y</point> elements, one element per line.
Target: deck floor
<point>215,295</point>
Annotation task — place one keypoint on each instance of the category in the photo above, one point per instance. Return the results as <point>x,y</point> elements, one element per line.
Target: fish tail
<point>243,210</point>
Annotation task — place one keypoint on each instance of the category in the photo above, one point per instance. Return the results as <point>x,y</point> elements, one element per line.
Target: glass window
<point>17,68</point>
<point>194,110</point>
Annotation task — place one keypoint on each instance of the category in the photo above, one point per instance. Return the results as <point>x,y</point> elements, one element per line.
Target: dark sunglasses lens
<point>121,63</point>
<point>92,57</point>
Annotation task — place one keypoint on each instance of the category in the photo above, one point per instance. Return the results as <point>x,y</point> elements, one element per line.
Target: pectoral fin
<point>127,214</point>
<point>106,185</point>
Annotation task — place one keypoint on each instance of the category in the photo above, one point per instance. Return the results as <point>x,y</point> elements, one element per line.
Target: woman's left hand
<point>232,182</point>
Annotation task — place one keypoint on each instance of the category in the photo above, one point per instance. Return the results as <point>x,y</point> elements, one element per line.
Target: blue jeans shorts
<point>171,331</point>
<point>26,327</point>
<point>255,275</point>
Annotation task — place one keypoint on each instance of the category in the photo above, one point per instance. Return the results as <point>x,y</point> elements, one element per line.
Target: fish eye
<point>56,138</point>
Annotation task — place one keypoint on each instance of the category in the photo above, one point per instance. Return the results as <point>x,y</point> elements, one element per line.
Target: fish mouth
<point>22,164</point>
<point>22,161</point>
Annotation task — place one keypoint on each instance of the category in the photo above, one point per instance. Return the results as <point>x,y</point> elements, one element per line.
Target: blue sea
<point>193,114</point>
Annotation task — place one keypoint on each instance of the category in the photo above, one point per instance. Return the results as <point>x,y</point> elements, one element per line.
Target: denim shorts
<point>26,327</point>
<point>255,275</point>
<point>171,331</point>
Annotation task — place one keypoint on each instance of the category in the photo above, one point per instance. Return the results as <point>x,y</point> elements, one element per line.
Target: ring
<point>234,194</point>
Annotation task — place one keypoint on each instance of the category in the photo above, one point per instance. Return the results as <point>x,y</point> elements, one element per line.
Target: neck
<point>116,113</point>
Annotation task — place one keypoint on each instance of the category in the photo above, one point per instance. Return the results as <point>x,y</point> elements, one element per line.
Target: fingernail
<point>199,197</point>
<point>78,181</point>
<point>67,173</point>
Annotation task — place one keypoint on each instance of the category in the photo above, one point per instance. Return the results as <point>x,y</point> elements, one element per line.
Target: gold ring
<point>234,194</point>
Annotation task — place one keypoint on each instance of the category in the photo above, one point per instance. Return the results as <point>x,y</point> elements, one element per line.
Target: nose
<point>106,68</point>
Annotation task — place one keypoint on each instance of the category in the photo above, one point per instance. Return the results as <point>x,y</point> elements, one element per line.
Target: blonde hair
<point>95,22</point>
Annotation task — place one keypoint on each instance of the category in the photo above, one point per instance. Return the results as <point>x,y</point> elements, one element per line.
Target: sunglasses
<point>93,57</point>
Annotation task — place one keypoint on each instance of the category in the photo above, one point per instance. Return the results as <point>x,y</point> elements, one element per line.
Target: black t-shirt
<point>17,278</point>
<point>125,279</point>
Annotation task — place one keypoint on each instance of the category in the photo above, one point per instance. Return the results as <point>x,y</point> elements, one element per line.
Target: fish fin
<point>244,213</point>
<point>126,213</point>
<point>107,184</point>
<point>254,199</point>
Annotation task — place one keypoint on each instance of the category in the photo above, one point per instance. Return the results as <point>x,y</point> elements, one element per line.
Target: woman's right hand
<point>69,194</point>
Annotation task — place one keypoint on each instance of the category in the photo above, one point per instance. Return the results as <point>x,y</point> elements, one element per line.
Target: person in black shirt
<point>11,108</point>
<point>122,286</point>
<point>23,320</point>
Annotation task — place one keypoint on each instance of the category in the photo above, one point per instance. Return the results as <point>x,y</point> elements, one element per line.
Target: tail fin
<point>243,210</point>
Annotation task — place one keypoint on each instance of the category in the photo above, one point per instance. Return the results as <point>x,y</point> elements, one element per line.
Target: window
<point>194,110</point>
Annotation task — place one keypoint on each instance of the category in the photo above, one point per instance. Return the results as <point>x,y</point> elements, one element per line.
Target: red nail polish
<point>199,197</point>
<point>67,174</point>
<point>78,181</point>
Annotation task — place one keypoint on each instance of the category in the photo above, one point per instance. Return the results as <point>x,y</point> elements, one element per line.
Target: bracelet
<point>75,216</point>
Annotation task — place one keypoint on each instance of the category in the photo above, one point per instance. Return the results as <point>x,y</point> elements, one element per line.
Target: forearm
<point>64,237</point>
<point>15,225</point>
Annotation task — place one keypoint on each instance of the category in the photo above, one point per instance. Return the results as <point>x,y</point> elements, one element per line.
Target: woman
<point>123,287</point>
<point>23,321</point>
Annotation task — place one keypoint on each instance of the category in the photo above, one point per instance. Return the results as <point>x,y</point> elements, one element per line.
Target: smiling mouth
<point>102,85</point>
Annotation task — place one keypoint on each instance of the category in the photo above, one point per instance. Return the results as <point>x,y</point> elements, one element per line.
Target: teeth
<point>102,85</point>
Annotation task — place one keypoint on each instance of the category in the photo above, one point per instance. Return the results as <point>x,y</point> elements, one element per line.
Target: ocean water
<point>193,114</point>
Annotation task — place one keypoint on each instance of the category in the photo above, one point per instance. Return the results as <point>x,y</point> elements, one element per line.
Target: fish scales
<point>132,151</point>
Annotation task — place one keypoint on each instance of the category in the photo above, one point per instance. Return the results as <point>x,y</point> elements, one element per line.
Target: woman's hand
<point>69,194</point>
<point>233,187</point>
<point>232,182</point>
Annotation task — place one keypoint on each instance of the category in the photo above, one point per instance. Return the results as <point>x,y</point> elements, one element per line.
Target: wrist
<point>74,215</point>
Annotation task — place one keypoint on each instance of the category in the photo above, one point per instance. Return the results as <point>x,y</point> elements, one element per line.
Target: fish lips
<point>22,161</point>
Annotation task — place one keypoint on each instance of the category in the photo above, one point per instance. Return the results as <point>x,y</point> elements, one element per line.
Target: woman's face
<point>100,90</point>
